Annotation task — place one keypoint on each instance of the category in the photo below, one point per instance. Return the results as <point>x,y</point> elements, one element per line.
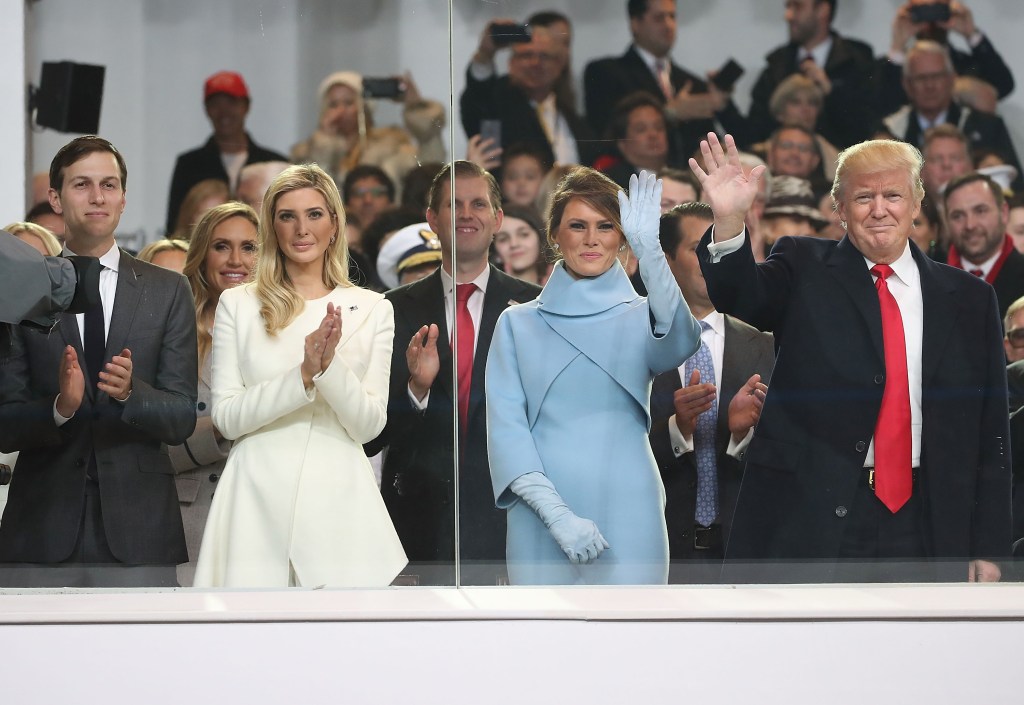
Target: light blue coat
<point>568,392</point>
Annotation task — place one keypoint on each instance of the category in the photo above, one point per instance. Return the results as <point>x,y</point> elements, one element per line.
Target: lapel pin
<point>352,308</point>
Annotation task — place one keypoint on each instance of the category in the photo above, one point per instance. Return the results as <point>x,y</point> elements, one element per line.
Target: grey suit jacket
<point>153,316</point>
<point>747,351</point>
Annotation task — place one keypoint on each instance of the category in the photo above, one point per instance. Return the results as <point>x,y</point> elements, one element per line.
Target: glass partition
<point>475,429</point>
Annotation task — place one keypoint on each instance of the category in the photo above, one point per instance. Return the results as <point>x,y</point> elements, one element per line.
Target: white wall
<point>158,52</point>
<point>13,123</point>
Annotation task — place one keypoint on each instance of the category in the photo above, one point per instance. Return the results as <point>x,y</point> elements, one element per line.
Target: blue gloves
<point>579,538</point>
<point>641,215</point>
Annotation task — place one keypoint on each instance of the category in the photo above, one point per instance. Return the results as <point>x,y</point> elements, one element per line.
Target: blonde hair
<point>189,213</point>
<point>874,156</point>
<point>150,251</point>
<point>280,303</point>
<point>50,242</point>
<point>195,266</point>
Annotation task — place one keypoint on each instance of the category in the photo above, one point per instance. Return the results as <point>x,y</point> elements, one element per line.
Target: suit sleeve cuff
<point>718,250</point>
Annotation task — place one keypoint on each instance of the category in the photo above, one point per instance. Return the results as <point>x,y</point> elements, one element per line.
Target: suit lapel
<point>68,326</point>
<point>126,302</point>
<point>735,358</point>
<point>941,309</point>
<point>424,304</point>
<point>847,264</point>
<point>645,79</point>
<point>496,300</point>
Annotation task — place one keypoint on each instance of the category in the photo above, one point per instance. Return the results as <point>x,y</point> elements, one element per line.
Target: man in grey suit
<point>701,424</point>
<point>93,502</point>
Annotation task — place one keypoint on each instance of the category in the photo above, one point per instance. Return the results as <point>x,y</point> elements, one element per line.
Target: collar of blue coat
<point>563,295</point>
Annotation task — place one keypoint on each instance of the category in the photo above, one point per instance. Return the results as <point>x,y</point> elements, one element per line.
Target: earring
<point>622,247</point>
<point>333,238</point>
<point>842,224</point>
<point>555,247</point>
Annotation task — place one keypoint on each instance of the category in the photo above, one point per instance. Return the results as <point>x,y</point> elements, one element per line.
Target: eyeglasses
<point>1016,337</point>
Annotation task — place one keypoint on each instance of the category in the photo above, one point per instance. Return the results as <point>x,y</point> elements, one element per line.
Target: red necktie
<point>893,478</point>
<point>464,334</point>
<point>977,273</point>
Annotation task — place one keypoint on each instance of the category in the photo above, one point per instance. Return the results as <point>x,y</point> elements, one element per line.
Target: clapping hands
<point>320,345</point>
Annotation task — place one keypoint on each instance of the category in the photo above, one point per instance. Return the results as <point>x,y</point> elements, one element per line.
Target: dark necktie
<point>464,335</point>
<point>893,475</point>
<point>95,343</point>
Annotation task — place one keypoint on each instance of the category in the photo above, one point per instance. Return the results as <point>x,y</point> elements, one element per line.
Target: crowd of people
<point>650,349</point>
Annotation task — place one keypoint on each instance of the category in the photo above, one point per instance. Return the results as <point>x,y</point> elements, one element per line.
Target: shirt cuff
<point>718,250</point>
<point>681,445</point>
<point>737,449</point>
<point>416,403</point>
<point>57,418</point>
<point>975,39</point>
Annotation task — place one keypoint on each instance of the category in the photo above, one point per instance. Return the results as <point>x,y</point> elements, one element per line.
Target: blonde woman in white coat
<point>301,361</point>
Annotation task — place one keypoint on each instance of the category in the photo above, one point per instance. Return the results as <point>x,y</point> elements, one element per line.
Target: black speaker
<point>69,97</point>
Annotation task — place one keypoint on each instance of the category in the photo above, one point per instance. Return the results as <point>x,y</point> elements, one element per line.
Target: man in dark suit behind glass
<point>418,476</point>
<point>93,501</point>
<point>742,360</point>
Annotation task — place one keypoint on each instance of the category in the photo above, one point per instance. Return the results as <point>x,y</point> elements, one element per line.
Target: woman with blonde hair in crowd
<point>799,101</point>
<point>221,256</point>
<point>200,198</point>
<point>301,364</point>
<point>168,253</point>
<point>37,236</point>
<point>346,136</point>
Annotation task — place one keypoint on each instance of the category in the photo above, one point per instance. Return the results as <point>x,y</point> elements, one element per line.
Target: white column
<point>13,115</point>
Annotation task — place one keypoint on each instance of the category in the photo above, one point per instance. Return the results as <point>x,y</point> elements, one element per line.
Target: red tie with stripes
<point>893,474</point>
<point>464,336</point>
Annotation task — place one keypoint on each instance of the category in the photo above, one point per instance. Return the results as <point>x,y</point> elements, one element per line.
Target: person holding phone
<point>927,19</point>
<point>525,100</point>
<point>568,394</point>
<point>346,136</point>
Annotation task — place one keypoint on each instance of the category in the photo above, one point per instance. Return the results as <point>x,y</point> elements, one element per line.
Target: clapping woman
<point>568,388</point>
<point>301,361</point>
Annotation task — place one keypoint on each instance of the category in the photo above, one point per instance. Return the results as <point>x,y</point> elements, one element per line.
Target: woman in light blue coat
<point>568,389</point>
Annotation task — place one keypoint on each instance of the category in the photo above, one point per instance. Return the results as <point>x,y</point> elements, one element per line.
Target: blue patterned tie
<point>704,437</point>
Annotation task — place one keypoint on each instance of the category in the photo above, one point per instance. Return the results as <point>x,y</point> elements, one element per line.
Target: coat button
<point>860,447</point>
<point>201,406</point>
<point>840,511</point>
<point>879,379</point>
<point>214,477</point>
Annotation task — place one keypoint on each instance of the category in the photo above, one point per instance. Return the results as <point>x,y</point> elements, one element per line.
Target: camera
<point>383,87</point>
<point>932,12</point>
<point>505,33</point>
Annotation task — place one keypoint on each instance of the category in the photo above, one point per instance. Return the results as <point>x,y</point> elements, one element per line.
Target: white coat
<point>298,503</point>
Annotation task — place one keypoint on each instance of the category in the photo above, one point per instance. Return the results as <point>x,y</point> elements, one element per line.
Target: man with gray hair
<point>254,180</point>
<point>928,78</point>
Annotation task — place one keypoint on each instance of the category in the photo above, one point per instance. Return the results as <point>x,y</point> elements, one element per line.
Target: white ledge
<point>717,603</point>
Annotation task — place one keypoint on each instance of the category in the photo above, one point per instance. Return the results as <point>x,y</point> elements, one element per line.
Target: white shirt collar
<point>650,59</point>
<point>717,322</point>
<point>448,284</point>
<point>820,52</point>
<point>904,267</point>
<point>111,259</point>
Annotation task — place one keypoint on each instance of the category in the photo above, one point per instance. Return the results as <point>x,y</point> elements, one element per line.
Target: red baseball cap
<point>226,82</point>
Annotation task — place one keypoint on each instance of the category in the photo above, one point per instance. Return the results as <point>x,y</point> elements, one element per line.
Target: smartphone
<point>727,76</point>
<point>932,12</point>
<point>491,129</point>
<point>505,33</point>
<point>383,87</point>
